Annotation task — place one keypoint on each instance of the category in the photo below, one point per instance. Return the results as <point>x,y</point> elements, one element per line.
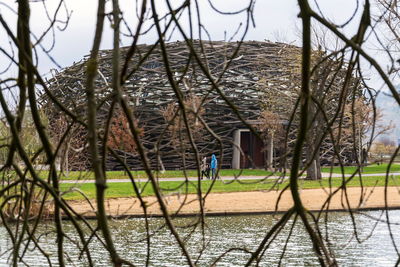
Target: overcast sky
<point>274,20</point>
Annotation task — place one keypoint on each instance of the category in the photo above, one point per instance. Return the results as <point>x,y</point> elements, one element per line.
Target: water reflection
<point>223,233</point>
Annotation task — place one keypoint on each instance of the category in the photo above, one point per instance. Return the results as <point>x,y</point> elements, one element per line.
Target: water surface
<point>223,233</point>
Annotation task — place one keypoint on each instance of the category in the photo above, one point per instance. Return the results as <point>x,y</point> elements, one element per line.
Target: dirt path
<point>247,202</point>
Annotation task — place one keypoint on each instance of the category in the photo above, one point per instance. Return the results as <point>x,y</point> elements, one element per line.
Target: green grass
<point>167,174</point>
<point>126,190</point>
<point>77,175</point>
<point>373,168</point>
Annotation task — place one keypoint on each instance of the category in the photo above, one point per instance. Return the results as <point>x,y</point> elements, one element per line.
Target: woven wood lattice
<point>260,76</point>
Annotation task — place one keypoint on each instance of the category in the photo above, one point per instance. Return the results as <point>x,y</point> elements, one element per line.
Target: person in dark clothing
<point>205,169</point>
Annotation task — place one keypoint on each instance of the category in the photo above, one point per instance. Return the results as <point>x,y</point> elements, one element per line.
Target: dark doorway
<point>252,147</point>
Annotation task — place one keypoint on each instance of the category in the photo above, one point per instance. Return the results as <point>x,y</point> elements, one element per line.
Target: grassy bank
<point>167,174</point>
<point>225,172</point>
<point>126,190</point>
<point>373,168</point>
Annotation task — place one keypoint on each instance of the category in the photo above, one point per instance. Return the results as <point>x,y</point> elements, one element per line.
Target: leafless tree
<point>324,93</point>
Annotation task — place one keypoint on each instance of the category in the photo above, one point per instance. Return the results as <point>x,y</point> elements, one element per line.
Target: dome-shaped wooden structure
<point>259,76</point>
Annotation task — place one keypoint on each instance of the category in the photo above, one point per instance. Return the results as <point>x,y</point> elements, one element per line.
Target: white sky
<point>275,19</point>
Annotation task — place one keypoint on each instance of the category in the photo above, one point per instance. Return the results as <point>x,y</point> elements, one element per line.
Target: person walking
<point>214,164</point>
<point>205,169</point>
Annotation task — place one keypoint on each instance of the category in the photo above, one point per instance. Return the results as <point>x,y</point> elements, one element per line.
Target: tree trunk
<point>270,153</point>
<point>314,169</point>
<point>66,160</point>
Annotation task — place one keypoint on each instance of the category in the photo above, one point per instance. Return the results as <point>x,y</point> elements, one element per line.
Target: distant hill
<point>390,111</point>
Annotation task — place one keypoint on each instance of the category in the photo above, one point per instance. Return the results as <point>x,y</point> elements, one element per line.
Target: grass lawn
<point>86,175</point>
<point>373,168</point>
<point>167,174</point>
<point>126,190</point>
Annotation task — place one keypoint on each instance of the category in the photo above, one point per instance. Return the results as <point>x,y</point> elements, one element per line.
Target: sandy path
<point>247,202</point>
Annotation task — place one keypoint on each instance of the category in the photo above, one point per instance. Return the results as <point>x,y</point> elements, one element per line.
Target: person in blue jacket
<point>214,164</point>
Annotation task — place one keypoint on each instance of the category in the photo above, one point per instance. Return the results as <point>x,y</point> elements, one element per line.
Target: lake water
<point>223,233</point>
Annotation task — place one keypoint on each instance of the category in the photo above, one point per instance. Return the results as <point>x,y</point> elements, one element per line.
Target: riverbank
<point>248,202</point>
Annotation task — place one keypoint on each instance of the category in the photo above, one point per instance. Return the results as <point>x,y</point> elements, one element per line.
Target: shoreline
<point>246,203</point>
<point>252,213</point>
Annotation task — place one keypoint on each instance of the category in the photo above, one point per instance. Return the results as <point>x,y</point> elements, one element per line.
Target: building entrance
<point>252,146</point>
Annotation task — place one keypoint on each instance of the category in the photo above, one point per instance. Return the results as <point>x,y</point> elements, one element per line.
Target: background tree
<point>272,131</point>
<point>382,149</point>
<point>4,141</point>
<point>330,82</point>
<point>119,138</point>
